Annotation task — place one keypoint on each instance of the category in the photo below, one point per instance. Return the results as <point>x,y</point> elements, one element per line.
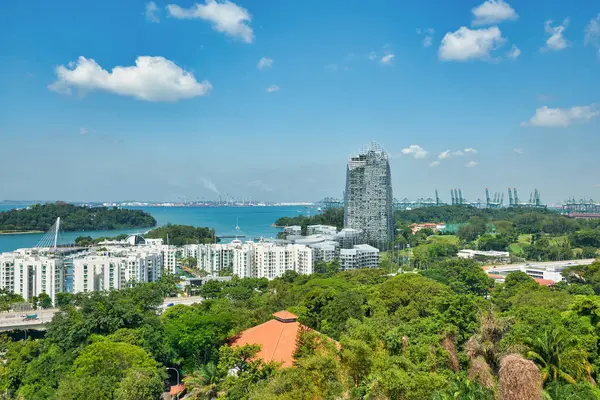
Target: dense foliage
<point>73,218</point>
<point>445,333</point>
<point>182,234</point>
<point>331,216</point>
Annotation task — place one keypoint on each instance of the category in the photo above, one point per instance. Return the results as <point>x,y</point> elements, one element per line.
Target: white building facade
<point>32,274</point>
<point>117,268</point>
<point>360,256</point>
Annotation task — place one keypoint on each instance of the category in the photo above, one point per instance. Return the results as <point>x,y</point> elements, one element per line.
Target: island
<point>40,217</point>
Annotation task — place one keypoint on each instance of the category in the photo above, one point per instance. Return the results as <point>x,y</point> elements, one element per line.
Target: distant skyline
<point>168,100</point>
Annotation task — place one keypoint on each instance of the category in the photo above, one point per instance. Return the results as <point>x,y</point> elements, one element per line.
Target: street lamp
<point>176,370</point>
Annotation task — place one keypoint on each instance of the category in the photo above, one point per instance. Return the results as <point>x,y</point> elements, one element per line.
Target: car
<point>170,305</point>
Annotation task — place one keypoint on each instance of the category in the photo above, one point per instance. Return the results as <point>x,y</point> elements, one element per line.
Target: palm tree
<point>559,357</point>
<point>202,383</point>
<point>485,344</point>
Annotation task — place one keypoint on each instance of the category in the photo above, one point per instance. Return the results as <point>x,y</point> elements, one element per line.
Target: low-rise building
<point>294,230</point>
<point>543,272</point>
<point>360,256</point>
<point>327,251</point>
<point>321,230</point>
<point>349,237</point>
<point>480,255</point>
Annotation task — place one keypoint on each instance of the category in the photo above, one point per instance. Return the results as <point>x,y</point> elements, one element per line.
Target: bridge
<point>16,320</point>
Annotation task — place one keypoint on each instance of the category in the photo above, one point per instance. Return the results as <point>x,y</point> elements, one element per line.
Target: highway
<point>14,320</point>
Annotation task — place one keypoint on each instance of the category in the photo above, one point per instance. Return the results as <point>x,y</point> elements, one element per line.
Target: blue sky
<point>164,100</point>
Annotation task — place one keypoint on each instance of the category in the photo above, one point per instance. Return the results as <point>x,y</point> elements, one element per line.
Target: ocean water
<point>254,222</point>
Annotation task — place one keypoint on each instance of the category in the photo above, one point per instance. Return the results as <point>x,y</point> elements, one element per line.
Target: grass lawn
<point>448,239</point>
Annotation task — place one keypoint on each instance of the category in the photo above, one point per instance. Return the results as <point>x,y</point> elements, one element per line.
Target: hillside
<point>40,217</point>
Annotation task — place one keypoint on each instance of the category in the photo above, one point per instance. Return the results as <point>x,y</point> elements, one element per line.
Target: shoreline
<point>19,232</point>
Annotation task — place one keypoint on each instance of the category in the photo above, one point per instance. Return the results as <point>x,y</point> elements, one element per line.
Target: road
<point>12,320</point>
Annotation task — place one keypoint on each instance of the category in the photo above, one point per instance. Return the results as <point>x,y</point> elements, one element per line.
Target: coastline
<point>19,232</point>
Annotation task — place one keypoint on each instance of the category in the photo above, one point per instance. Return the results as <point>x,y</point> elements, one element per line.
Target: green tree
<point>462,275</point>
<point>44,301</point>
<point>105,370</point>
<point>202,384</point>
<point>559,357</point>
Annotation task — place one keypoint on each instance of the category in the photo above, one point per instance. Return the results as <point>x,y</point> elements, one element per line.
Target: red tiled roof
<point>496,276</point>
<point>545,282</point>
<point>177,389</point>
<point>285,315</point>
<point>276,338</point>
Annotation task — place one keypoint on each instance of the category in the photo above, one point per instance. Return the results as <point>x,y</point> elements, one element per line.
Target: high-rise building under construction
<point>368,196</point>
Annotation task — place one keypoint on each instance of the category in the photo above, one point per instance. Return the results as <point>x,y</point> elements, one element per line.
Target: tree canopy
<point>182,234</point>
<point>40,217</point>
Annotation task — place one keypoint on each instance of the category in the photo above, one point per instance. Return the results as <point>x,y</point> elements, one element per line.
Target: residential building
<point>368,196</point>
<point>243,261</point>
<point>277,338</point>
<point>272,261</point>
<point>327,251</point>
<point>294,230</point>
<point>349,237</point>
<point>116,268</point>
<point>320,230</point>
<point>360,256</point>
<point>211,258</point>
<point>32,274</point>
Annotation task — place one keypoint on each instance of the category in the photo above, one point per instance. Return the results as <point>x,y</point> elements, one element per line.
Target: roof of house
<point>175,389</point>
<point>545,282</point>
<point>276,337</point>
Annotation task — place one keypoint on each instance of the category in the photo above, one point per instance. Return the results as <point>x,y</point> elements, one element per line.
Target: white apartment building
<point>360,256</point>
<point>30,275</point>
<point>116,268</point>
<point>212,258</point>
<point>271,260</point>
<point>170,255</point>
<point>243,261</point>
<point>320,230</point>
<point>294,230</point>
<point>327,251</point>
<point>349,237</point>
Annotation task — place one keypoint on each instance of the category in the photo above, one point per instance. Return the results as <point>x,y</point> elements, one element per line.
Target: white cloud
<point>514,52</point>
<point>151,12</point>
<point>332,67</point>
<point>264,62</point>
<point>556,41</point>
<point>415,150</point>
<point>226,17</point>
<point>444,154</point>
<point>493,12</point>
<point>518,150</point>
<point>151,79</point>
<point>434,164</point>
<point>465,44</point>
<point>428,39</point>
<point>372,56</point>
<point>471,150</point>
<point>388,58</point>
<point>592,33</point>
<point>471,164</point>
<point>458,153</point>
<point>272,88</point>
<point>562,117</point>
<point>85,131</point>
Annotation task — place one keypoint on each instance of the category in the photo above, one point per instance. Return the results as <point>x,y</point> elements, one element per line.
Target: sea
<point>254,222</point>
